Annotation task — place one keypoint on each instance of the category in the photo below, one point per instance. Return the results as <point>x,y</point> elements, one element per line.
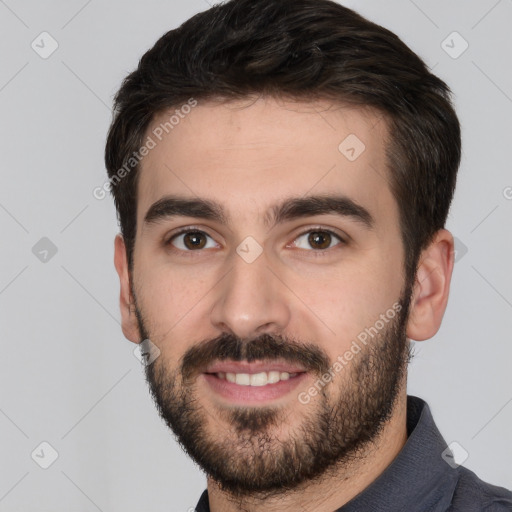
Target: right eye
<point>189,240</point>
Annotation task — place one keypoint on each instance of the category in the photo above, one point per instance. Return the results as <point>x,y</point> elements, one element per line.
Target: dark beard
<point>251,460</point>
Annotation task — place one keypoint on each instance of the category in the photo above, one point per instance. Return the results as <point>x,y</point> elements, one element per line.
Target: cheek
<point>173,305</point>
<point>351,299</point>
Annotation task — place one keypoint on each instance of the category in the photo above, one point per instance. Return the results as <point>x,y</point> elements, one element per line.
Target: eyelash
<point>316,253</point>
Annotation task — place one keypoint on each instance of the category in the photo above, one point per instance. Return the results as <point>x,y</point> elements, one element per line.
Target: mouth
<point>255,379</point>
<point>251,383</point>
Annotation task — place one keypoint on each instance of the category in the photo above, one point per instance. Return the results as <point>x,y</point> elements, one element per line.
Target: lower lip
<point>253,394</point>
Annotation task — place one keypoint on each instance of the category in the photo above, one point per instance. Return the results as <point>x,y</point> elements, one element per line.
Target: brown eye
<point>190,240</point>
<point>194,240</point>
<point>318,239</point>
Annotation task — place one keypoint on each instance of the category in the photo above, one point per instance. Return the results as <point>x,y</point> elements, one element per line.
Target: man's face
<point>257,299</point>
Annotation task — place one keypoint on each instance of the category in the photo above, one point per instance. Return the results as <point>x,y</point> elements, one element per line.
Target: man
<point>282,172</point>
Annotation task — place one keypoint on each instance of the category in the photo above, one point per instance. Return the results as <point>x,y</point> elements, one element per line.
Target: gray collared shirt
<point>422,478</point>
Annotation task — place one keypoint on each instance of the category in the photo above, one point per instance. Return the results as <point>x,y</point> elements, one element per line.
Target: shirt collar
<point>418,478</point>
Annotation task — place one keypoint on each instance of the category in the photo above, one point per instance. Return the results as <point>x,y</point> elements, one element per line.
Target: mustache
<point>265,347</point>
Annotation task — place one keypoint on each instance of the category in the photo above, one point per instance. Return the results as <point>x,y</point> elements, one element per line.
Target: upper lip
<point>254,367</point>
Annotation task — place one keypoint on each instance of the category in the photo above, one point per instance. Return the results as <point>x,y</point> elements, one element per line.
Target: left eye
<point>318,239</point>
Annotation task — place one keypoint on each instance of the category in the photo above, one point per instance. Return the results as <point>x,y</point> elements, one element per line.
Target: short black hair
<point>304,50</point>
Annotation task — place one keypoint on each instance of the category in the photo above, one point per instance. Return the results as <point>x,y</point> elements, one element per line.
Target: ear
<point>432,287</point>
<point>126,302</point>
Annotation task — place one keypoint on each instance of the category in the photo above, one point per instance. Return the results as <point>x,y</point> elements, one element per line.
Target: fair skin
<point>248,156</point>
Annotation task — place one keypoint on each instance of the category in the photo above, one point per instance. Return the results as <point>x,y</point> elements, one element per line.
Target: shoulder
<point>473,494</point>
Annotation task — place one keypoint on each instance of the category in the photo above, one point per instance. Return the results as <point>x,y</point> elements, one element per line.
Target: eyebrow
<point>289,209</point>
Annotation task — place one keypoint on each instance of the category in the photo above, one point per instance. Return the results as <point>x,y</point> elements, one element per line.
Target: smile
<point>255,379</point>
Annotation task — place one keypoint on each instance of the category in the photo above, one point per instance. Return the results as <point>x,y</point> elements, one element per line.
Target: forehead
<point>250,153</point>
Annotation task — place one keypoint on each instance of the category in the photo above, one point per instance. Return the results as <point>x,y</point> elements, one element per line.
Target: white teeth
<point>273,377</point>
<point>259,379</point>
<point>243,379</point>
<point>255,379</point>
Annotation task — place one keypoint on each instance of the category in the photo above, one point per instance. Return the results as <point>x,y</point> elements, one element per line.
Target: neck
<point>334,490</point>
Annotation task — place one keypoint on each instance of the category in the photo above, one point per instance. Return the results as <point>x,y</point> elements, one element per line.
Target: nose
<point>251,300</point>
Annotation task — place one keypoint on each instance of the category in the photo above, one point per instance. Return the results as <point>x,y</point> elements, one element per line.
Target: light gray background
<point>67,375</point>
